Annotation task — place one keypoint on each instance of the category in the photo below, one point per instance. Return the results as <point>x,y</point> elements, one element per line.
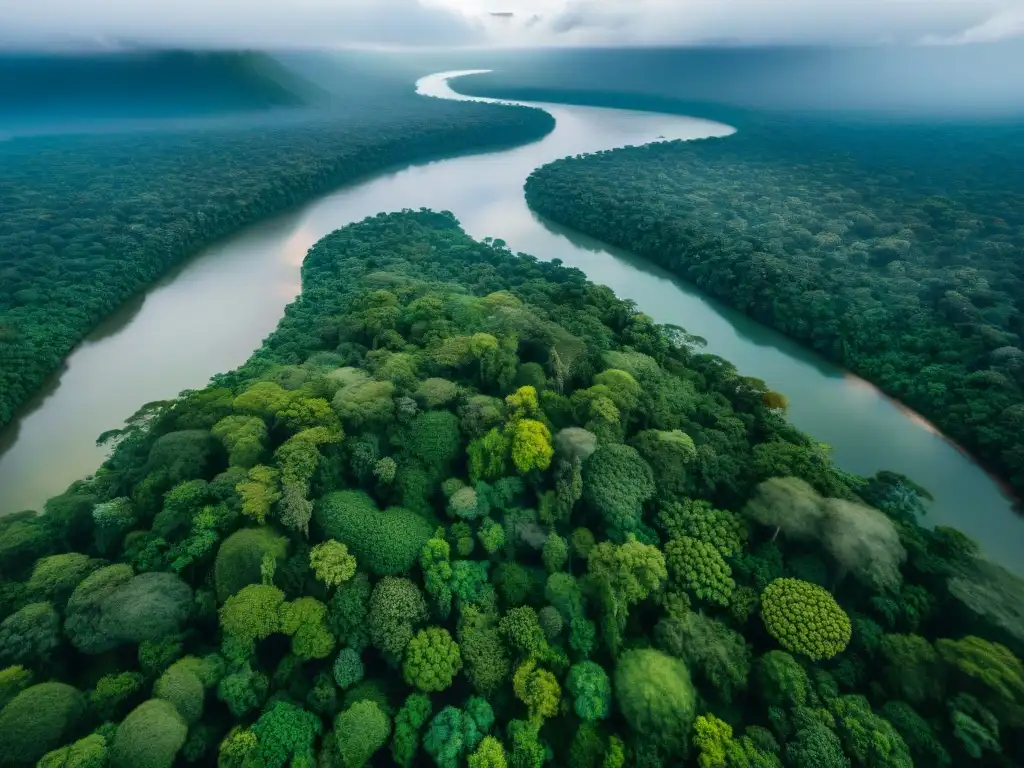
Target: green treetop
<point>805,618</point>
<point>432,660</point>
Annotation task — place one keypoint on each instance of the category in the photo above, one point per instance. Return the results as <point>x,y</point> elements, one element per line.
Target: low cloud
<point>1005,25</point>
<point>234,23</point>
<point>325,23</point>
<point>664,22</point>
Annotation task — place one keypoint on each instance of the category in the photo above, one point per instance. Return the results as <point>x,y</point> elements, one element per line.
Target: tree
<point>396,607</point>
<point>89,752</point>
<point>348,668</point>
<point>568,490</point>
<point>244,438</point>
<point>869,739</point>
<point>37,720</point>
<point>988,591</point>
<point>359,732</point>
<point>111,693</point>
<point>488,456</point>
<point>781,681</point>
<point>183,690</point>
<point>30,635</point>
<point>671,455</point>
<point>724,530</point>
<point>254,613</point>
<point>524,739</point>
<point>563,592</point>
<point>54,578</point>
<point>434,440</point>
<point>469,581</point>
<point>111,521</point>
<point>719,749</point>
<point>437,573</point>
<point>436,393</point>
<point>555,553</point>
<point>432,660</point>
<point>974,726</point>
<point>13,680</point>
<point>787,504</point>
<point>150,737</point>
<point>348,611</point>
<point>286,733</point>
<point>521,629</point>
<point>575,443</point>
<point>489,754</point>
<point>491,535</point>
<point>366,404</point>
<point>913,670</point>
<point>657,698</point>
<point>538,689</point>
<point>239,749</point>
<point>864,542</point>
<point>483,653</point>
<point>588,746</point>
<point>264,398</point>
<point>259,492</point>
<point>408,723</point>
<point>616,483</point>
<point>479,413</point>
<point>551,622</point>
<point>453,732</point>
<point>332,563</point>
<point>384,543</point>
<point>805,618</point>
<point>591,690</point>
<point>816,747</point>
<point>924,746</point>
<point>241,555</point>
<point>463,504</point>
<point>711,650</point>
<point>530,445</point>
<point>149,607</point>
<point>183,455</point>
<point>991,670</point>
<point>305,620</point>
<point>620,576</point>
<point>697,567</point>
<point>243,690</point>
<point>582,542</point>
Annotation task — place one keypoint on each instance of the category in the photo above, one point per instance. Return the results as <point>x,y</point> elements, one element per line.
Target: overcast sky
<point>267,23</point>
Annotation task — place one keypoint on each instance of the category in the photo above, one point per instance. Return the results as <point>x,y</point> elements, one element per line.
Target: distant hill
<point>47,88</point>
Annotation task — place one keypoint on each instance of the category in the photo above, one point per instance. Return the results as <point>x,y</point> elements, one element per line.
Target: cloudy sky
<point>486,22</point>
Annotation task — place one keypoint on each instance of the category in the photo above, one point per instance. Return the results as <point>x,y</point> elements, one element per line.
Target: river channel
<point>211,313</point>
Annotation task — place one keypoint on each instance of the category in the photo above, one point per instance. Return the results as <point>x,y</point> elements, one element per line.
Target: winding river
<point>211,313</point>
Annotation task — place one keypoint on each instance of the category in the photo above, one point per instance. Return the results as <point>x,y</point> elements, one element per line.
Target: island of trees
<point>893,250</point>
<point>90,220</point>
<point>464,507</point>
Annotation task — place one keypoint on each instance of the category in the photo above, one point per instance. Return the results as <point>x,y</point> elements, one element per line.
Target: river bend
<point>211,313</point>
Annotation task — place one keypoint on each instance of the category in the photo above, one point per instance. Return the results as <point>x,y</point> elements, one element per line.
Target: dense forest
<point>464,507</point>
<point>35,87</point>
<point>89,220</point>
<point>895,251</point>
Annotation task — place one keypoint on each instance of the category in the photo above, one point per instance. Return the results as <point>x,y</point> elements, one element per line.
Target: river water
<point>211,313</point>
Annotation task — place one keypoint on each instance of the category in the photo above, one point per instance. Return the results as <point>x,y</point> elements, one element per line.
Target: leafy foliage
<point>39,719</point>
<point>540,602</point>
<point>432,660</point>
<point>657,698</point>
<point>805,618</point>
<point>386,543</point>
